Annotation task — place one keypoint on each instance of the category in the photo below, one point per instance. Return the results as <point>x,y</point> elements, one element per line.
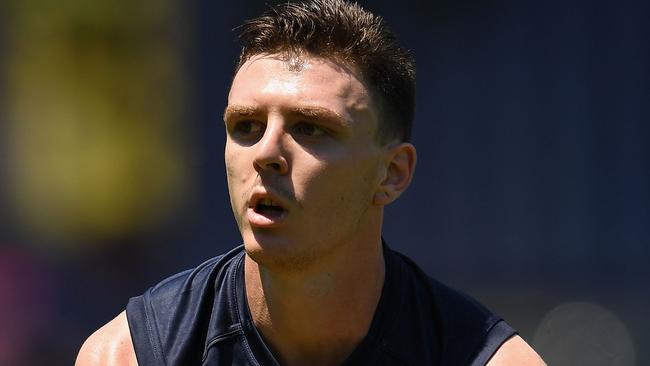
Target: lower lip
<point>260,220</point>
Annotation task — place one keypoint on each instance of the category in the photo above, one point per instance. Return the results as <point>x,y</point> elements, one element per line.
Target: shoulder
<point>515,352</point>
<point>197,277</point>
<point>462,325</point>
<point>110,345</point>
<point>169,320</point>
<point>449,303</point>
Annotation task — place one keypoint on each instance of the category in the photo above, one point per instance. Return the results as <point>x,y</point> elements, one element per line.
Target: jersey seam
<point>157,351</point>
<point>476,348</point>
<point>221,337</point>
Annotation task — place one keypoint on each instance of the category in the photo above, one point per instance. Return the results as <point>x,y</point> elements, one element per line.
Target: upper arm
<point>108,346</point>
<point>515,352</point>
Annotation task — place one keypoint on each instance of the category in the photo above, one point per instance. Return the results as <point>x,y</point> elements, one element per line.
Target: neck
<point>320,315</point>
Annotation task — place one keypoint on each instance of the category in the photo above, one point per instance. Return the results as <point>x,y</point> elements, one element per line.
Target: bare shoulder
<point>516,352</point>
<point>109,345</point>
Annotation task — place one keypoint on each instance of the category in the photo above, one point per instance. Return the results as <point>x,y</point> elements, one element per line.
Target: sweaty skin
<point>303,139</point>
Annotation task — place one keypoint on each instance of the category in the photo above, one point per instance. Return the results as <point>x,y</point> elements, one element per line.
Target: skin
<point>110,345</point>
<point>306,136</point>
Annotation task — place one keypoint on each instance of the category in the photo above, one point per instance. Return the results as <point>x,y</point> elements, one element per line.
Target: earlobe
<point>399,168</point>
<point>381,198</point>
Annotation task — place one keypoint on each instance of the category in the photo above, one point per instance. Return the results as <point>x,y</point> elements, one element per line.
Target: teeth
<point>267,202</point>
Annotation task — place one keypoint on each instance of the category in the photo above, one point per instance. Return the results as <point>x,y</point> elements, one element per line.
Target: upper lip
<point>261,194</point>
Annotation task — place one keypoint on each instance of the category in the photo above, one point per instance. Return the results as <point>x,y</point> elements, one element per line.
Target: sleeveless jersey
<point>201,317</point>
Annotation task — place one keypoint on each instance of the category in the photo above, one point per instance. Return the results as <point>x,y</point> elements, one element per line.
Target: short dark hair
<point>342,31</point>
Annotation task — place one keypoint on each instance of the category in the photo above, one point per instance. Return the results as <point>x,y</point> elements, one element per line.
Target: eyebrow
<point>315,112</point>
<point>239,110</point>
<point>319,113</point>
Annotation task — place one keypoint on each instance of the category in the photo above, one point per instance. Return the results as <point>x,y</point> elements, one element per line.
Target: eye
<point>308,129</point>
<point>244,129</point>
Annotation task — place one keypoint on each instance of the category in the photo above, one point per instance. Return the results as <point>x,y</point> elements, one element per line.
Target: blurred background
<point>531,193</point>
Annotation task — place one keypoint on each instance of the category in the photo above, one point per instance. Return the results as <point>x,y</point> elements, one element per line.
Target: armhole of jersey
<point>144,342</point>
<point>497,335</point>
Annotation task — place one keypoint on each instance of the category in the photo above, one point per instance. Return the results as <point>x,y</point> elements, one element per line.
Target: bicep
<point>110,345</point>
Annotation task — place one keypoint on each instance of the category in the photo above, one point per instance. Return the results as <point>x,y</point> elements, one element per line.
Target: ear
<point>399,168</point>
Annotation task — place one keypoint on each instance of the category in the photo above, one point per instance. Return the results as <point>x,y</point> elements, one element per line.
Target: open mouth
<point>268,208</point>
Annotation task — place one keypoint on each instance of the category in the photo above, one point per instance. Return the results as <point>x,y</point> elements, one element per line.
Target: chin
<point>274,251</point>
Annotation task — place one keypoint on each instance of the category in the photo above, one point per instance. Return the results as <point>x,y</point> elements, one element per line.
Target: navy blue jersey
<point>201,317</point>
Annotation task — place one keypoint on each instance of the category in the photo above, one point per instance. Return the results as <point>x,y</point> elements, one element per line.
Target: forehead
<point>272,81</point>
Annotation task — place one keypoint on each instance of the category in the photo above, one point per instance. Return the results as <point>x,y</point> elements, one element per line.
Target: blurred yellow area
<point>95,102</point>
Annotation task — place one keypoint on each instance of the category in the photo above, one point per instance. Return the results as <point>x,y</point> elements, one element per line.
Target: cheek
<point>329,185</point>
<point>236,176</point>
<point>307,183</point>
<point>236,166</point>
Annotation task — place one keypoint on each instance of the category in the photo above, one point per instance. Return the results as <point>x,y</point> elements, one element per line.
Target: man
<point>318,122</point>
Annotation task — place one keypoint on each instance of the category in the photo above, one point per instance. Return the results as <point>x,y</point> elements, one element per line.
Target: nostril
<point>277,166</point>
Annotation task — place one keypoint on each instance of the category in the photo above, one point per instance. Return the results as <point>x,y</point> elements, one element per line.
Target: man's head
<point>346,33</point>
<point>308,169</point>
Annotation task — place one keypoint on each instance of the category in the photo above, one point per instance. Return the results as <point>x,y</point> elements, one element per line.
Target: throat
<point>318,320</point>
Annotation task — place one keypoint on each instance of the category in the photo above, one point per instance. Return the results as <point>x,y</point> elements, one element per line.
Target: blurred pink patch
<point>24,304</point>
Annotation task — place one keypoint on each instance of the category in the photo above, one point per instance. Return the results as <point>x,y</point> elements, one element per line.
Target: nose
<point>270,154</point>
